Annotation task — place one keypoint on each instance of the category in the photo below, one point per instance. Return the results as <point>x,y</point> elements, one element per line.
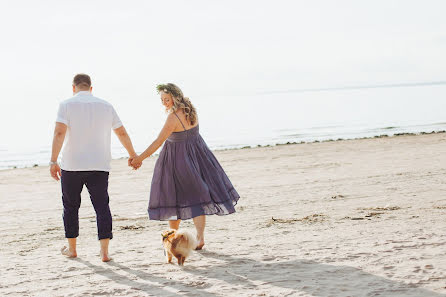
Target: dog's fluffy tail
<point>184,239</point>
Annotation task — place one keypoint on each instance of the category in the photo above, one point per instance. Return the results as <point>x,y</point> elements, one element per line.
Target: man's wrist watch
<point>53,163</point>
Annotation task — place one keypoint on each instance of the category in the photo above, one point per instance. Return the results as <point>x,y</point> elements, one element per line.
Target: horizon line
<point>396,85</point>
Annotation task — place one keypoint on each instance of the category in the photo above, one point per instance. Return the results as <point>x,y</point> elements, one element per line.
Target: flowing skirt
<point>188,182</point>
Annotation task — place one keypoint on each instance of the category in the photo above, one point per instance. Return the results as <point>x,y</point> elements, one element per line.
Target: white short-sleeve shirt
<point>88,139</point>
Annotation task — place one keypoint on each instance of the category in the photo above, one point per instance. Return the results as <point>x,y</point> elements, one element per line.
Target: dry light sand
<point>351,218</point>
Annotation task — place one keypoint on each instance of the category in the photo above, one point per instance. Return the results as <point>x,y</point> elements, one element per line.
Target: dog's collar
<point>168,234</point>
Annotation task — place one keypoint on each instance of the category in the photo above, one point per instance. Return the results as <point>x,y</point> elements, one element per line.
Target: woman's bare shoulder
<point>182,118</point>
<point>171,115</point>
<point>171,118</point>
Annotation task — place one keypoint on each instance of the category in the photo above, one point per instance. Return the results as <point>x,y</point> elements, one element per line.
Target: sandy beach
<point>345,218</point>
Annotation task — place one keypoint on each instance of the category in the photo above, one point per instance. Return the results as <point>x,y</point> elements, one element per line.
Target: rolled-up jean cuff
<point>71,235</point>
<point>105,236</point>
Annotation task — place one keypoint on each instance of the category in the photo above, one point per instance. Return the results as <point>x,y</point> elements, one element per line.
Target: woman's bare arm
<point>169,127</point>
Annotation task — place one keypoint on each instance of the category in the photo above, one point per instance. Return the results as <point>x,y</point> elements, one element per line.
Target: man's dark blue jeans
<point>97,184</point>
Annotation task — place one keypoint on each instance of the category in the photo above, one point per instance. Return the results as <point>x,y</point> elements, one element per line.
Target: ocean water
<point>235,121</point>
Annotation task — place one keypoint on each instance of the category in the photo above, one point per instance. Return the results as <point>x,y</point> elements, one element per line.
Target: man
<point>88,122</point>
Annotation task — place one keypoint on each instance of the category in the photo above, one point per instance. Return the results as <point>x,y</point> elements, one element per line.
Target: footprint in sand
<point>268,258</point>
<point>388,267</point>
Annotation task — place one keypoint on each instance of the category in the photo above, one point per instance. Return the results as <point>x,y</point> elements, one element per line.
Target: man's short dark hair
<point>82,80</point>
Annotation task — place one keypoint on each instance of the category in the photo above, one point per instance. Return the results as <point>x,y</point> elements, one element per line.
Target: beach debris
<point>53,229</point>
<point>131,227</point>
<point>373,214</point>
<point>337,196</point>
<point>197,284</point>
<point>287,143</point>
<point>440,207</point>
<point>381,208</point>
<point>314,218</point>
<point>273,220</point>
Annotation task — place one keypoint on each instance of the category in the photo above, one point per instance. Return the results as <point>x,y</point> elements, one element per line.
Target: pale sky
<point>209,48</point>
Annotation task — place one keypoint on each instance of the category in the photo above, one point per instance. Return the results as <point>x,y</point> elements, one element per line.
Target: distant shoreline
<point>338,139</point>
<point>278,144</point>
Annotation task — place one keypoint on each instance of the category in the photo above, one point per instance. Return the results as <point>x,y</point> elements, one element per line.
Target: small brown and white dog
<point>178,243</point>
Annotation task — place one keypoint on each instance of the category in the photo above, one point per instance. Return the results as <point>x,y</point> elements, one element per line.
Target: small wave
<point>292,135</point>
<point>311,128</point>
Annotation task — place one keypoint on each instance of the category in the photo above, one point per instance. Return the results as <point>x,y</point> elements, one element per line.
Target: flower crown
<point>168,89</point>
<point>163,88</point>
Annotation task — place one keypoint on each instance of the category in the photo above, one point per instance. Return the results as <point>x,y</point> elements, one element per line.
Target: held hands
<point>135,162</point>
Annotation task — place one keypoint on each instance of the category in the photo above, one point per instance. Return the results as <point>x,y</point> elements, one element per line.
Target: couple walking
<point>188,182</point>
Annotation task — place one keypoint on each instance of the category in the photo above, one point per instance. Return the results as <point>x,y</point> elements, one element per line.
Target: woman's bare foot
<point>200,224</point>
<point>66,252</point>
<point>200,244</point>
<point>105,257</point>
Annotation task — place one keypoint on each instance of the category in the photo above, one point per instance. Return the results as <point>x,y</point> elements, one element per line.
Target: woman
<point>188,182</point>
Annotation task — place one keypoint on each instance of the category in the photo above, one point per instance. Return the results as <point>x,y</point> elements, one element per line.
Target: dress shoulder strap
<point>180,120</point>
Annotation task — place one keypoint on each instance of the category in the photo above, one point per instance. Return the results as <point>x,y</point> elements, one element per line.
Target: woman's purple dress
<point>188,181</point>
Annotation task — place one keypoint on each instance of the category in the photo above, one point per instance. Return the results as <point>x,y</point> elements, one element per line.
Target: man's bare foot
<point>200,244</point>
<point>105,257</point>
<point>66,252</point>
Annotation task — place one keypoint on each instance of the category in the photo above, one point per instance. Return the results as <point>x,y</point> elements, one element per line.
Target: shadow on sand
<point>159,287</point>
<point>302,276</point>
<point>306,276</point>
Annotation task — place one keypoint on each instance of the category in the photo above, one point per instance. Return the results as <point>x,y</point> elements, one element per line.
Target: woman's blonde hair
<point>179,101</point>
